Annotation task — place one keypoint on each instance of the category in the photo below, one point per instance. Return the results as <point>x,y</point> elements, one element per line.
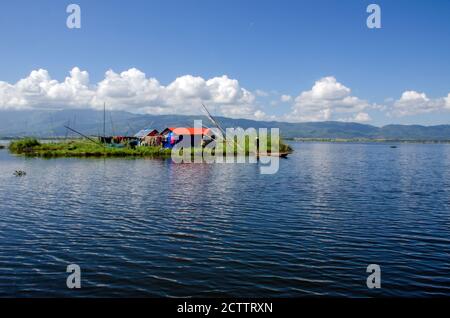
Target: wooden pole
<point>104,122</point>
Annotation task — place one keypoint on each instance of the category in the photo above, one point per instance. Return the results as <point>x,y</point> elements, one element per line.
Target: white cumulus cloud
<point>130,90</point>
<point>362,117</point>
<point>413,103</point>
<point>285,98</point>
<point>38,90</point>
<point>327,99</point>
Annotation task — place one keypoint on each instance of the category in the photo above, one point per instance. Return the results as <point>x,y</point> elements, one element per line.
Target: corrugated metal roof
<point>145,132</point>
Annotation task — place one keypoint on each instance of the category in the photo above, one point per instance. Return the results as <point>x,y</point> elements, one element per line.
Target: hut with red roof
<point>198,136</point>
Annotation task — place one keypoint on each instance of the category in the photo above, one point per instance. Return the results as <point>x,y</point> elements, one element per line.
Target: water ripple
<point>154,228</point>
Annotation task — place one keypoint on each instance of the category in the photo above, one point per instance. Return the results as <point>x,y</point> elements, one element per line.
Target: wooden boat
<point>273,154</point>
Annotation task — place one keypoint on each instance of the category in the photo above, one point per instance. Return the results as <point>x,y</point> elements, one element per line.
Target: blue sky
<point>315,52</point>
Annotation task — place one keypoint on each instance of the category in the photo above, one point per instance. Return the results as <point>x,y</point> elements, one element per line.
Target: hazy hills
<point>51,124</point>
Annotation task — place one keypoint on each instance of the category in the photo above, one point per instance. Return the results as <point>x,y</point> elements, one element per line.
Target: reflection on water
<point>155,228</point>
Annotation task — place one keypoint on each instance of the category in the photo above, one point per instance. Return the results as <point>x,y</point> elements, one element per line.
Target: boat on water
<point>273,154</point>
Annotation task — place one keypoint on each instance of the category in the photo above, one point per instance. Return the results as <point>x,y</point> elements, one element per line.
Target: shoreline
<point>368,140</point>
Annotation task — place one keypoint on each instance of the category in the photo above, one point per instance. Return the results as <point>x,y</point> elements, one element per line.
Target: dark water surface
<point>154,228</point>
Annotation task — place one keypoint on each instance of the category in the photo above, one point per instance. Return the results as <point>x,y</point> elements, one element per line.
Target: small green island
<point>32,147</point>
<point>83,148</point>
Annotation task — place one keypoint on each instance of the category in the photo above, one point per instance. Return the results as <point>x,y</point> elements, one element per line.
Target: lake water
<point>154,228</point>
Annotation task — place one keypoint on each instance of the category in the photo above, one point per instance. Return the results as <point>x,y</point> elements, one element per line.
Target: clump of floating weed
<point>24,145</point>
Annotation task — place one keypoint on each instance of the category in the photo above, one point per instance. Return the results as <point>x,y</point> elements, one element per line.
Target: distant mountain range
<point>51,124</point>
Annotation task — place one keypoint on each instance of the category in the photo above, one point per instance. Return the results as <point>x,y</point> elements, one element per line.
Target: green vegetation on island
<point>80,148</point>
